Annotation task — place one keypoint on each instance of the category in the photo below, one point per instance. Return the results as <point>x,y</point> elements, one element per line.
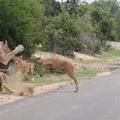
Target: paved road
<point>98,99</point>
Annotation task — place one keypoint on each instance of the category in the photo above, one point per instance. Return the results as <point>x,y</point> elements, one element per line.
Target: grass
<point>57,77</point>
<point>110,54</point>
<point>86,73</point>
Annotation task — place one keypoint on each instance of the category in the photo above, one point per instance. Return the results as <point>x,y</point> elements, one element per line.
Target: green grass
<point>111,54</point>
<point>86,73</point>
<point>57,78</point>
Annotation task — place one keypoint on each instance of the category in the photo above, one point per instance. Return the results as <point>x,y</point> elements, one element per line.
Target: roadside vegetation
<point>110,54</point>
<point>82,73</point>
<point>63,28</point>
<point>43,78</point>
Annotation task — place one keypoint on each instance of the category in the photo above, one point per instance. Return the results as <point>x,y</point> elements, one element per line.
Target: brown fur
<point>5,53</point>
<point>2,50</point>
<point>26,66</point>
<point>6,48</point>
<point>60,65</point>
<point>26,91</point>
<point>3,83</point>
<point>2,80</point>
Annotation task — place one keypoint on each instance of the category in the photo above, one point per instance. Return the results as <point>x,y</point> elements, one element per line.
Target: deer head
<point>36,59</point>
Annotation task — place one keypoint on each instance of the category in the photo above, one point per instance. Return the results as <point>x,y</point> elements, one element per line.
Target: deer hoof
<point>76,90</point>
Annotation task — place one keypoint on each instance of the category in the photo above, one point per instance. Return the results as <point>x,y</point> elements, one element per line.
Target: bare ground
<point>4,98</point>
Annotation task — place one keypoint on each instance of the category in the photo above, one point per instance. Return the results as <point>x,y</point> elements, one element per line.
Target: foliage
<point>111,54</point>
<point>18,19</point>
<point>59,27</point>
<point>52,8</point>
<point>61,32</point>
<point>102,22</point>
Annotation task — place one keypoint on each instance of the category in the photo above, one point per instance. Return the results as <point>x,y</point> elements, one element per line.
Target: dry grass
<point>15,81</point>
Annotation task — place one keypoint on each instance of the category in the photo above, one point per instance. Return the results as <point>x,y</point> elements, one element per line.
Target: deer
<point>59,65</point>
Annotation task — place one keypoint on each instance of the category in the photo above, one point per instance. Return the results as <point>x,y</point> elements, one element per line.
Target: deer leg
<point>75,81</point>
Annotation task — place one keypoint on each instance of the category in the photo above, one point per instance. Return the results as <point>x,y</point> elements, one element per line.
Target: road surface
<point>98,99</point>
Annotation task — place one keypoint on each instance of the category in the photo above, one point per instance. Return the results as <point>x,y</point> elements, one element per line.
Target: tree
<point>52,8</point>
<point>102,21</point>
<point>18,20</point>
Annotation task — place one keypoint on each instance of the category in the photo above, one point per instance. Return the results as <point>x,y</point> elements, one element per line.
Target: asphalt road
<point>98,99</point>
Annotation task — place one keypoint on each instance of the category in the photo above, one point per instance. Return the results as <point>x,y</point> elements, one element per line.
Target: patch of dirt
<point>104,74</point>
<point>45,55</point>
<point>5,99</point>
<point>77,56</point>
<point>80,56</point>
<point>48,88</point>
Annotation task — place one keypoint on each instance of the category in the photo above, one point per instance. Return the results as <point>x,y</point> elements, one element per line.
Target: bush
<point>39,70</point>
<point>18,21</point>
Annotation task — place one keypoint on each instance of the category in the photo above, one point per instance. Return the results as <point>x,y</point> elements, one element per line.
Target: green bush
<point>39,70</point>
<point>61,28</point>
<point>18,21</point>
